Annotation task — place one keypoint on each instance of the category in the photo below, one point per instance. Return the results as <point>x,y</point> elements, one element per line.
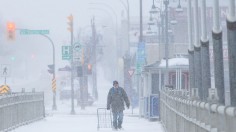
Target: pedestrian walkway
<point>86,121</point>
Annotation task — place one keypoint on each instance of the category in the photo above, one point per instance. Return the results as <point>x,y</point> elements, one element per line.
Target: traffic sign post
<point>66,52</point>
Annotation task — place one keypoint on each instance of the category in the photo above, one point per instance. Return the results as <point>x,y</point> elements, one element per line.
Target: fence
<point>20,108</point>
<point>181,114</point>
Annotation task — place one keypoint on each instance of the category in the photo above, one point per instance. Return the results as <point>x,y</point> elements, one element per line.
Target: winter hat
<point>115,82</point>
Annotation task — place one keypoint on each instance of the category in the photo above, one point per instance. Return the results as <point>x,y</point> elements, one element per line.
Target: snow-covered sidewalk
<point>86,121</point>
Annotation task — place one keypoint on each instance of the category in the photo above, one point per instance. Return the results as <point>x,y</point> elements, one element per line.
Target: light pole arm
<point>53,48</point>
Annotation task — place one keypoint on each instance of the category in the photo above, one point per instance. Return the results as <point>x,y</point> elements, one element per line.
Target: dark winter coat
<point>116,98</point>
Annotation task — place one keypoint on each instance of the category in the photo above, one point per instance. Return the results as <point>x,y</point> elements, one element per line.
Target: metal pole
<point>159,33</point>
<point>205,59</point>
<point>166,2</point>
<point>5,80</point>
<point>141,21</point>
<point>162,30</point>
<point>190,47</point>
<point>231,34</point>
<point>128,25</point>
<point>72,70</point>
<point>218,54</point>
<point>140,40</point>
<point>54,106</point>
<point>94,76</point>
<point>197,52</point>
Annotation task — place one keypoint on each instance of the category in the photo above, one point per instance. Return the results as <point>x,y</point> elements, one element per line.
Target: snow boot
<point>120,125</point>
<point>114,125</point>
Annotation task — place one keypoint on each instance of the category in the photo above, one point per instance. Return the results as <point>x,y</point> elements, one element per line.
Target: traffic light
<point>51,69</point>
<point>11,29</point>
<point>89,70</point>
<point>70,23</point>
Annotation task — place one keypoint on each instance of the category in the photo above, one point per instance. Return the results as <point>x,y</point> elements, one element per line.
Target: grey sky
<point>52,15</point>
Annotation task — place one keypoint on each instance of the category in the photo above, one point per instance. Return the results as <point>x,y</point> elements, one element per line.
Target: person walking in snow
<point>115,100</point>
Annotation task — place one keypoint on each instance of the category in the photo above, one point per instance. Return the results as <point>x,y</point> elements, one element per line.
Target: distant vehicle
<point>65,93</point>
<point>87,103</point>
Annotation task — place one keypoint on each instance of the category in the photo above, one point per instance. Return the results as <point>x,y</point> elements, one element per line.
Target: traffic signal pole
<point>72,66</point>
<point>11,29</point>
<point>94,59</point>
<point>54,106</point>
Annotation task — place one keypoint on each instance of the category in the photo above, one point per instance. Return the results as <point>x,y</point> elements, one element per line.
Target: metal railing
<point>181,114</point>
<point>20,108</point>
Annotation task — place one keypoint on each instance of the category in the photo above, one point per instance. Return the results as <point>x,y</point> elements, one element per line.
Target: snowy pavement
<point>86,121</point>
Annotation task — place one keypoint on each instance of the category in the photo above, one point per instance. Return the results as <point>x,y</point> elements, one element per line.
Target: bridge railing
<point>17,109</point>
<point>179,113</point>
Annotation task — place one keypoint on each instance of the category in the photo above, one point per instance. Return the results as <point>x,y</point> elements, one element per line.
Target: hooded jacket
<point>116,98</point>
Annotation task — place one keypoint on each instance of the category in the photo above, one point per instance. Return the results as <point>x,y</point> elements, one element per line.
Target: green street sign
<point>66,52</point>
<point>32,32</point>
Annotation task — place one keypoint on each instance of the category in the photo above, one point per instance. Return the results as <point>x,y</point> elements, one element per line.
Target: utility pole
<point>166,2</point>
<point>71,29</point>
<point>94,59</point>
<point>140,41</point>
<point>141,21</point>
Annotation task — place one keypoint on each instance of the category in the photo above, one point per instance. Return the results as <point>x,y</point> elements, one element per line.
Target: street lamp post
<point>166,2</point>
<point>128,22</point>
<point>54,106</point>
<point>159,26</point>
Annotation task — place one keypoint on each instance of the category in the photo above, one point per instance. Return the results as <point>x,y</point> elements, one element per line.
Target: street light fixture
<point>153,10</point>
<point>179,8</point>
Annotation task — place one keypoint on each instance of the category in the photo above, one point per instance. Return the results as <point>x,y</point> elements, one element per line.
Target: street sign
<point>131,72</point>
<point>4,89</point>
<point>141,57</point>
<point>5,70</point>
<point>66,52</point>
<point>32,32</point>
<point>77,46</point>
